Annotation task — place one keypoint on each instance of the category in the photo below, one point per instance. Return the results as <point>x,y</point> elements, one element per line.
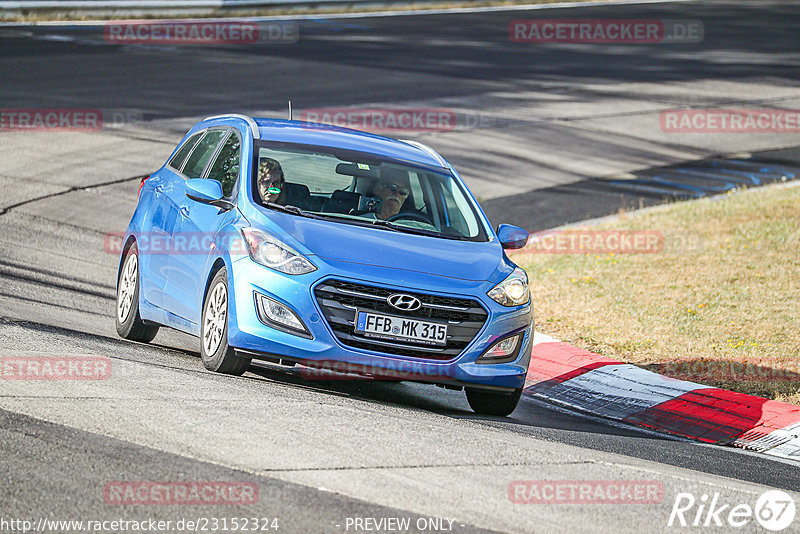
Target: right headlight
<point>275,254</point>
<point>513,291</point>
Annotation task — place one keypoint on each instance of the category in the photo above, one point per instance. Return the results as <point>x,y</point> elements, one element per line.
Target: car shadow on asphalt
<point>428,397</point>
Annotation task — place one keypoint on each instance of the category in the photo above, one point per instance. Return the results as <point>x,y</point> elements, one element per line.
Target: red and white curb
<point>585,381</point>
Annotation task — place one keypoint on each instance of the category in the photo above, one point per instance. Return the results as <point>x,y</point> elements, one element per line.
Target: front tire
<point>215,352</point>
<point>489,403</point>
<point>129,322</point>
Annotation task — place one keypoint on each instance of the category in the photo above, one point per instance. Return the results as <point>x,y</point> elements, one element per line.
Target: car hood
<point>466,260</point>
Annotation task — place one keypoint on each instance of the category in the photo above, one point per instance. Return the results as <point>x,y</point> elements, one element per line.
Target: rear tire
<point>215,352</point>
<point>489,403</point>
<point>129,322</point>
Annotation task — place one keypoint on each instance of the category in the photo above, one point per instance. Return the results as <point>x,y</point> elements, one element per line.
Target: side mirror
<point>207,192</point>
<point>512,237</point>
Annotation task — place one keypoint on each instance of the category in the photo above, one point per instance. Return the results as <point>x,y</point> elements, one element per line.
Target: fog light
<point>275,314</point>
<point>505,350</point>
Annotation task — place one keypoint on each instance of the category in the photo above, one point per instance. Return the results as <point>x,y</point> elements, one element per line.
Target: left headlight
<point>275,254</point>
<point>513,291</point>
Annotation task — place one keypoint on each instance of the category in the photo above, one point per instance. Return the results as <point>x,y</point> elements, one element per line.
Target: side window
<point>317,173</point>
<point>455,205</point>
<point>225,169</point>
<point>202,153</point>
<point>416,190</point>
<point>180,156</point>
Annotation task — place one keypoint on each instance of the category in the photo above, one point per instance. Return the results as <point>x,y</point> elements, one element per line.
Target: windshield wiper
<point>385,224</point>
<point>292,209</point>
<point>417,231</point>
<point>356,221</point>
<point>380,223</point>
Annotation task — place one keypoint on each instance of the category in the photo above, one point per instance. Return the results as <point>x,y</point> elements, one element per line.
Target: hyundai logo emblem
<point>404,302</point>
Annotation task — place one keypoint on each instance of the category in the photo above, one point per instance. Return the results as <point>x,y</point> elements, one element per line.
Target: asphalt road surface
<point>549,134</point>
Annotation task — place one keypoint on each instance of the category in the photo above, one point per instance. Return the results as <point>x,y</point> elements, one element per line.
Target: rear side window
<point>202,153</point>
<point>225,169</point>
<point>180,155</point>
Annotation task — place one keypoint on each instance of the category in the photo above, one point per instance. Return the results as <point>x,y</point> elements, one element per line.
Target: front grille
<point>339,301</point>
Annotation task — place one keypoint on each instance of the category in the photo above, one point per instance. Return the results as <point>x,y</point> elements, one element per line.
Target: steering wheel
<point>413,215</point>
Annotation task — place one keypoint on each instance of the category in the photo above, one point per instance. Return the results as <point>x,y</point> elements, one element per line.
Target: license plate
<point>400,328</point>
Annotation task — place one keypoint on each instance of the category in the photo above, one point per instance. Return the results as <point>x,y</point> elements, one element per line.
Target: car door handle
<point>185,211</point>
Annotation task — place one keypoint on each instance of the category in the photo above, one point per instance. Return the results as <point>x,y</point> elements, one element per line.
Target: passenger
<point>271,185</point>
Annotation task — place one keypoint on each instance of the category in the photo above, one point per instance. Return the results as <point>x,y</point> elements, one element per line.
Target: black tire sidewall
<point>488,403</point>
<point>213,362</point>
<point>124,328</point>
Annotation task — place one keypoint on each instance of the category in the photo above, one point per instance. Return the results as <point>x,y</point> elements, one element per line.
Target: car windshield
<point>364,189</point>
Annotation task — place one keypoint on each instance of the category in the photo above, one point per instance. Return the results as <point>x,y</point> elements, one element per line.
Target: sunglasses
<point>272,183</point>
<point>394,188</point>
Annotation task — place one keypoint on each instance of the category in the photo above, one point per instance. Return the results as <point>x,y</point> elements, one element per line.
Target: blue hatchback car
<point>347,253</point>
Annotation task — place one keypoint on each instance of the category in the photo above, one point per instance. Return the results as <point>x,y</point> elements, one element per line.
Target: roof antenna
<point>290,110</point>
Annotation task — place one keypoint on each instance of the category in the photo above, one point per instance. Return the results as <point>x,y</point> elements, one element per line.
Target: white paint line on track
<point>379,14</point>
<point>613,392</point>
<point>618,391</point>
<point>770,440</point>
<point>546,402</point>
<point>789,450</point>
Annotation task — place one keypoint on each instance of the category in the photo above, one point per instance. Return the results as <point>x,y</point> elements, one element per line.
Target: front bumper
<point>323,350</point>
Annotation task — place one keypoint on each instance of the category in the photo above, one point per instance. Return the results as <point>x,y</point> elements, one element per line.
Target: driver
<point>271,185</point>
<point>392,189</point>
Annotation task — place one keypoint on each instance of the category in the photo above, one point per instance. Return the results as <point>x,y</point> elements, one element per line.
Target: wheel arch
<point>218,265</point>
<point>128,244</point>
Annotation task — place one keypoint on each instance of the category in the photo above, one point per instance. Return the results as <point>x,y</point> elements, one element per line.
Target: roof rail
<point>253,126</point>
<point>428,150</point>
